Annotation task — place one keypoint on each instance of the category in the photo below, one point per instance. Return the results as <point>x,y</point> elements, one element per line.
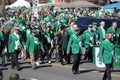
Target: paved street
<point>55,71</point>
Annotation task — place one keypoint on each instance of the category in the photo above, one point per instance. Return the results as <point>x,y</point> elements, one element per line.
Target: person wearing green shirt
<point>47,44</point>
<point>106,55</point>
<point>30,46</point>
<point>2,45</point>
<point>94,31</point>
<point>88,42</point>
<point>76,50</point>
<point>57,24</point>
<point>112,30</point>
<point>62,45</point>
<point>101,32</point>
<point>13,47</point>
<point>38,47</point>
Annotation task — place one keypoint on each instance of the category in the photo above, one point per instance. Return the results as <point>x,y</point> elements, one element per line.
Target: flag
<point>56,1</point>
<point>53,1</point>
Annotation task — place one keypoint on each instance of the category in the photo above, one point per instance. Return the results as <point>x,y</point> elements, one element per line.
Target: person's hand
<point>24,47</point>
<point>43,50</point>
<point>98,43</point>
<point>67,52</point>
<point>91,45</point>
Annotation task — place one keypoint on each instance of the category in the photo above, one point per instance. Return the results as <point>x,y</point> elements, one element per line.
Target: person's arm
<point>9,43</point>
<point>69,45</point>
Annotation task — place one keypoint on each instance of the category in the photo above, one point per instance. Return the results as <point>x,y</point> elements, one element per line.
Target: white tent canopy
<point>19,3</point>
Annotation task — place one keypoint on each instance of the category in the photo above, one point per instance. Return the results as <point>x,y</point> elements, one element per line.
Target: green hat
<point>90,26</point>
<point>94,23</point>
<point>27,22</point>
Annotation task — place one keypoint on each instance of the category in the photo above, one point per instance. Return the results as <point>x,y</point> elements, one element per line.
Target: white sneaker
<point>49,62</point>
<point>37,63</point>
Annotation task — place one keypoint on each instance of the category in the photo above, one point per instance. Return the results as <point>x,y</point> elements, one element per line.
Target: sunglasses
<point>77,30</point>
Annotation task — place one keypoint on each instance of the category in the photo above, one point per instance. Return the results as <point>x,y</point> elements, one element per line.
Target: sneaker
<point>37,63</point>
<point>49,62</point>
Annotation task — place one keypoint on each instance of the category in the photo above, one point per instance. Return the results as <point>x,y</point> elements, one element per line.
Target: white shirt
<point>103,30</point>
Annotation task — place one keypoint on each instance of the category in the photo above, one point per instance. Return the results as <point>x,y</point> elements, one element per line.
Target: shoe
<point>40,62</point>
<point>76,72</point>
<point>18,69</point>
<point>49,62</point>
<point>37,63</point>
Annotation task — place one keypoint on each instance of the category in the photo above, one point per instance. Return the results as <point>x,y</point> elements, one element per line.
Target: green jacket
<point>37,43</point>
<point>30,44</point>
<point>11,42</point>
<point>57,25</point>
<point>87,36</point>
<point>1,35</point>
<point>74,44</point>
<point>70,31</point>
<point>105,54</point>
<point>47,37</point>
<point>101,35</point>
<point>111,30</point>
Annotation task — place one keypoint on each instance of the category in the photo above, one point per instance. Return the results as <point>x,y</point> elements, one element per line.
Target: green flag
<point>50,1</point>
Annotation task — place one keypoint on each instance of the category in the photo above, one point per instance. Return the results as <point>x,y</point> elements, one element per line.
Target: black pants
<point>47,52</point>
<point>62,55</point>
<point>14,60</point>
<point>107,73</point>
<point>88,53</point>
<point>76,61</point>
<point>68,56</point>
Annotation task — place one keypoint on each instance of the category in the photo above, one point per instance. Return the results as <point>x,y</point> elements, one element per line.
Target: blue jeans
<point>3,58</point>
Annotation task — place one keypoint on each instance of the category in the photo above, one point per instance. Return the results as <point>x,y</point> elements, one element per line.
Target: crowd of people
<point>53,32</point>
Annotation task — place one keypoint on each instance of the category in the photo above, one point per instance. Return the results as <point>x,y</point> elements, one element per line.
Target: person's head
<point>94,24</point>
<point>1,75</point>
<point>14,76</point>
<point>102,24</point>
<point>114,24</point>
<point>109,36</point>
<point>76,29</point>
<point>89,27</point>
<point>16,29</point>
<point>34,32</point>
<point>71,24</point>
<point>48,29</point>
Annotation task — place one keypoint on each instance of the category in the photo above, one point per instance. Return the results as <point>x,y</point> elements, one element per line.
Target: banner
<point>53,1</point>
<point>57,1</point>
<point>97,62</point>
